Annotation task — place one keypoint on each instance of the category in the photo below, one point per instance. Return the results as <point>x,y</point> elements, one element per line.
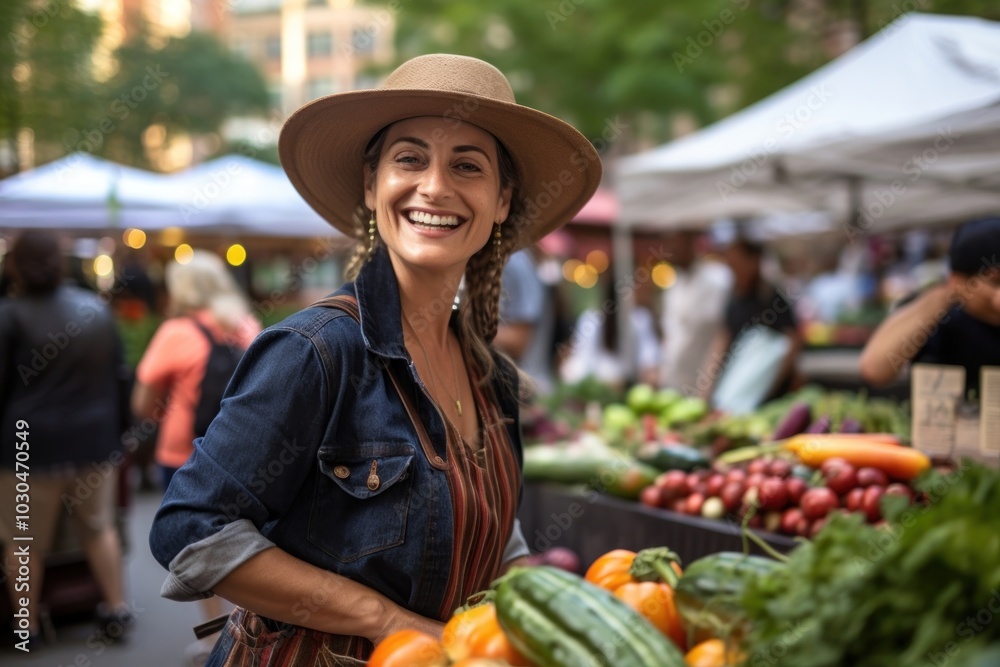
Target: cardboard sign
<point>989,411</point>
<point>936,391</point>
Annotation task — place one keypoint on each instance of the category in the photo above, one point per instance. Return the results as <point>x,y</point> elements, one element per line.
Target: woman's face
<point>436,193</point>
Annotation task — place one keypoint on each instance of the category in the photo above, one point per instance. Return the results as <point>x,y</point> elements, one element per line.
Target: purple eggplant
<point>794,422</point>
<point>821,425</point>
<point>851,426</point>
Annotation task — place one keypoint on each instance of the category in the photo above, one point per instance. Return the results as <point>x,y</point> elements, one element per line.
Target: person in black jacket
<point>62,409</point>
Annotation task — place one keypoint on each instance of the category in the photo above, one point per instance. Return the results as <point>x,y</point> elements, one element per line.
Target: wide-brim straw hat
<point>323,143</point>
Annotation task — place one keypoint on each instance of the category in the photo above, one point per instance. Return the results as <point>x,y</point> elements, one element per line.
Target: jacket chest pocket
<point>362,499</point>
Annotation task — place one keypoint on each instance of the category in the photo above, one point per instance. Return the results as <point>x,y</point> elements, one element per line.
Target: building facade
<point>311,48</point>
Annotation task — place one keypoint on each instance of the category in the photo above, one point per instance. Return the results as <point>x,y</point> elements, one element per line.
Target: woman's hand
<point>276,584</point>
<point>401,619</point>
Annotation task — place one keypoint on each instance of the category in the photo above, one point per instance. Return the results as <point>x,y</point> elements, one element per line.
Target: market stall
<point>902,130</point>
<point>887,556</point>
<point>232,195</point>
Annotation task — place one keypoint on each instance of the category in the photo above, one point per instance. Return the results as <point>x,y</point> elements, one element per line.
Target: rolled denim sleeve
<point>248,468</point>
<point>517,546</point>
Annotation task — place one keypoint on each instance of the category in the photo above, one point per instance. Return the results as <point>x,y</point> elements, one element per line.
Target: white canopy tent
<point>902,130</point>
<point>245,196</point>
<point>80,191</point>
<point>231,195</point>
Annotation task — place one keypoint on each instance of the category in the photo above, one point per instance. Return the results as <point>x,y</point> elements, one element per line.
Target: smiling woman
<point>402,497</point>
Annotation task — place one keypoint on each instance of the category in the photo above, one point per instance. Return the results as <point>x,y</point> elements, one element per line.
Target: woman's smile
<point>435,223</point>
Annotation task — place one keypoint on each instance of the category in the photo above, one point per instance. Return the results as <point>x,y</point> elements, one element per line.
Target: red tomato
<point>817,503</point>
<point>736,475</point>
<point>872,477</point>
<point>732,495</point>
<point>897,489</point>
<point>780,468</point>
<point>772,494</point>
<point>694,503</point>
<point>853,499</point>
<point>674,484</point>
<point>841,478</point>
<point>870,503</point>
<point>795,486</point>
<point>652,496</point>
<point>714,484</point>
<point>790,520</point>
<point>834,462</point>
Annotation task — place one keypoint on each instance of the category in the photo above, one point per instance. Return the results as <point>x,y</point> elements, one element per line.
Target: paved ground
<point>162,629</point>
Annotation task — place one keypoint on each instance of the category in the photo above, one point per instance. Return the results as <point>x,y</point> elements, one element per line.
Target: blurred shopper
<point>957,323</point>
<point>64,410</point>
<point>754,302</point>
<point>596,350</point>
<point>169,376</point>
<point>692,312</point>
<point>527,320</point>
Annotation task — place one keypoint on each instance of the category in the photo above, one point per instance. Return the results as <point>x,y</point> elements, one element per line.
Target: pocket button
<point>343,472</point>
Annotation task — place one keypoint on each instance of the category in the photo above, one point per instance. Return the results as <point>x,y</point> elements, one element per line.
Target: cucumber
<point>556,619</point>
<point>672,457</point>
<point>709,595</point>
<point>552,464</point>
<point>615,473</point>
<point>624,478</point>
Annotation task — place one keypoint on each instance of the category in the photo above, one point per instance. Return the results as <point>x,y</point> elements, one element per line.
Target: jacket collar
<point>377,293</point>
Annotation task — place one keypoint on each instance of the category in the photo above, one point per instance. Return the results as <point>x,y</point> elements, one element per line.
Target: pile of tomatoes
<point>781,496</point>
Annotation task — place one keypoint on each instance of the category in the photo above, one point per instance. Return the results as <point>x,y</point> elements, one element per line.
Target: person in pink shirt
<point>170,373</point>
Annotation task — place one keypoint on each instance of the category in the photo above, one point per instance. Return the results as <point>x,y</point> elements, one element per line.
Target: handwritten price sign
<point>936,392</point>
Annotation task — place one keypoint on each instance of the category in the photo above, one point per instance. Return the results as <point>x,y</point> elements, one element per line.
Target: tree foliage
<point>643,61</point>
<point>51,84</point>
<point>189,86</point>
<point>46,82</point>
<point>590,62</point>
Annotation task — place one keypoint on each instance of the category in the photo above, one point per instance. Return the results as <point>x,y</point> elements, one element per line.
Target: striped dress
<point>484,490</point>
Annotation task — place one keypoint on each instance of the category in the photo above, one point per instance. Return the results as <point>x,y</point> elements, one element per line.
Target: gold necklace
<point>451,358</point>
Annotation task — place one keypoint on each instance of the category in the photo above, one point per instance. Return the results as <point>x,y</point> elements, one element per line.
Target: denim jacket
<point>287,460</point>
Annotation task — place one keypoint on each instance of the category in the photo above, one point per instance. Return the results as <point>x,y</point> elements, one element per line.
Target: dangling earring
<point>496,235</point>
<point>371,236</point>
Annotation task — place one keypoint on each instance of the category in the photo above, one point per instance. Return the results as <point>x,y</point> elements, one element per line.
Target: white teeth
<point>423,218</point>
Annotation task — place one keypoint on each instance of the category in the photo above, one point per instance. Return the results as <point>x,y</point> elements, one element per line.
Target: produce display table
<point>592,524</point>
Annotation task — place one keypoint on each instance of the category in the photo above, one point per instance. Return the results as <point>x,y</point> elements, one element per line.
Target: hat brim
<point>322,146</point>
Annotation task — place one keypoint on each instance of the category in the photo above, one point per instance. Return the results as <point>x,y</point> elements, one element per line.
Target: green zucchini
<point>624,478</point>
<point>672,457</point>
<point>709,595</point>
<point>553,464</point>
<point>614,473</point>
<point>556,619</point>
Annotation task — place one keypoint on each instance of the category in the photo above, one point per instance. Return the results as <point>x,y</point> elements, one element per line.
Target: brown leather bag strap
<point>349,305</point>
